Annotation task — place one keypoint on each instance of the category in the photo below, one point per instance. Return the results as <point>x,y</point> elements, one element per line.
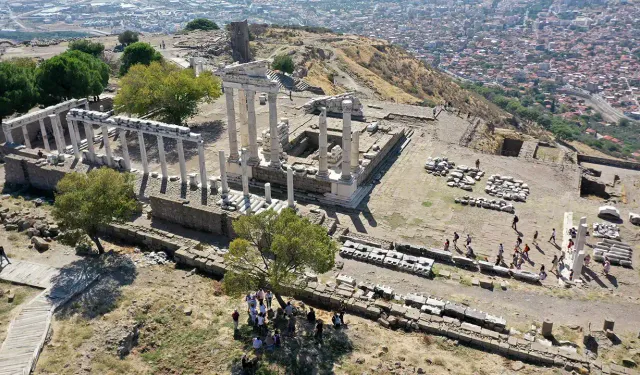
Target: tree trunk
<point>281,301</point>
<point>96,240</point>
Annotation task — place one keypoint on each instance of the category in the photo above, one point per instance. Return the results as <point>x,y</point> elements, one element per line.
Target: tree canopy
<point>138,53</point>
<point>17,88</point>
<point>72,74</point>
<point>170,93</point>
<point>201,24</point>
<point>275,250</point>
<point>92,48</point>
<point>86,202</point>
<point>283,63</point>
<point>128,37</point>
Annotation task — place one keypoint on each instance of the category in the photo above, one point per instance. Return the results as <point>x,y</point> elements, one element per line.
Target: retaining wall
<point>24,171</point>
<point>610,162</point>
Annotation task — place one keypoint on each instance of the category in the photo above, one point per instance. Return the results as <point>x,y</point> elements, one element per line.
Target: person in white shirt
<point>257,343</point>
<point>288,309</point>
<point>263,308</point>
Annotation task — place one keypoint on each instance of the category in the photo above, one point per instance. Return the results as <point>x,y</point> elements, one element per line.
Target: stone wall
<point>300,183</point>
<point>610,162</point>
<point>379,158</point>
<point>22,171</point>
<point>203,218</point>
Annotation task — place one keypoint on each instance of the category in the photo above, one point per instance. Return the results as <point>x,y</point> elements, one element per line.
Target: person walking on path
<point>269,297</point>
<point>456,236</point>
<point>553,236</point>
<point>235,316</point>
<point>554,265</point>
<point>518,242</point>
<point>291,326</point>
<point>319,328</point>
<point>468,239</point>
<point>535,238</point>
<point>477,163</point>
<point>525,252</point>
<point>3,254</point>
<point>514,225</point>
<point>446,245</point>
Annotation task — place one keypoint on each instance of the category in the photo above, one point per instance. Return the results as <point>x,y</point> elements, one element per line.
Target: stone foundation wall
<point>21,171</point>
<point>304,183</point>
<point>610,162</point>
<point>379,158</point>
<point>203,218</point>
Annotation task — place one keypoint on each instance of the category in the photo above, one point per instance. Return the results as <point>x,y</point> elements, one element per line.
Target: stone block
<point>474,316</point>
<point>412,313</point>
<point>373,312</point>
<point>489,333</point>
<point>454,310</point>
<point>486,284</point>
<point>344,279</point>
<point>398,310</point>
<point>471,327</point>
<point>382,305</point>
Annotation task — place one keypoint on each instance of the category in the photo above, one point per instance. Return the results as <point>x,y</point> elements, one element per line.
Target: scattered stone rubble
<point>617,252</point>
<point>461,176</point>
<point>151,258</point>
<point>605,230</point>
<point>634,218</point>
<point>36,225</point>
<point>493,204</point>
<point>507,188</point>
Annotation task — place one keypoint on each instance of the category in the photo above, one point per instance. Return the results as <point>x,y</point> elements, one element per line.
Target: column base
<point>322,176</point>
<point>253,161</point>
<point>346,178</point>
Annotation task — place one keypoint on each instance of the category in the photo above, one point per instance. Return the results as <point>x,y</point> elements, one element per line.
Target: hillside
<point>374,68</point>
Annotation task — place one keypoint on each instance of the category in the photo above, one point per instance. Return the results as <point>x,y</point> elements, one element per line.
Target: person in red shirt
<point>235,316</point>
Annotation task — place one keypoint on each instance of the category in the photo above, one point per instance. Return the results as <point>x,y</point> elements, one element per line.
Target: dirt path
<point>517,306</point>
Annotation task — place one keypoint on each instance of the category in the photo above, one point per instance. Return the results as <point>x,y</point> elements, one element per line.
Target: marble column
<point>45,139</point>
<point>347,106</point>
<point>25,134</point>
<point>290,201</point>
<point>8,136</point>
<point>143,153</point>
<point>125,149</point>
<point>273,130</point>
<point>163,159</point>
<point>245,176</point>
<point>107,144</point>
<point>76,127</point>
<point>267,192</point>
<point>224,186</point>
<point>231,124</point>
<point>355,151</point>
<point>56,133</point>
<point>242,118</point>
<point>86,106</point>
<point>183,164</point>
<point>74,140</point>
<point>200,67</point>
<point>61,130</point>
<point>203,165</point>
<point>323,167</point>
<point>88,131</point>
<point>254,158</point>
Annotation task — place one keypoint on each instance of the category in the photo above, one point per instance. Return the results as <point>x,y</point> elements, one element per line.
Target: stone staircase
<point>287,82</point>
<point>528,149</point>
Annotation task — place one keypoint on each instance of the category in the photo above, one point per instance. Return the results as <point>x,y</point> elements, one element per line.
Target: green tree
<point>170,93</point>
<point>138,53</point>
<point>94,49</point>
<point>275,250</point>
<point>624,122</point>
<point>17,88</point>
<point>72,74</point>
<point>283,63</point>
<point>201,24</point>
<point>84,203</point>
<point>128,37</point>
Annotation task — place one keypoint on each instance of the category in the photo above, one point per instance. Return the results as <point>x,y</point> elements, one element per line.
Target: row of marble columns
<point>248,129</point>
<point>350,144</point>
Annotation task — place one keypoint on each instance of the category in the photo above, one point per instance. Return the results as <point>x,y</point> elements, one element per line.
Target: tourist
<point>252,315</point>
<point>269,342</point>
<point>40,154</point>
<point>269,297</point>
<point>446,245</point>
<point>341,315</point>
<point>257,344</point>
<point>570,245</point>
<point>336,321</point>
<point>499,259</point>
<point>247,299</point>
<point>434,112</point>
<point>318,334</point>
<point>561,260</point>
<point>235,316</point>
<point>289,309</point>
<point>518,242</point>
<point>553,236</point>
<point>247,365</point>
<point>277,338</point>
<point>468,239</point>
<point>554,265</point>
<point>571,275</point>
<point>514,224</point>
<point>262,308</point>
<point>291,326</point>
<point>311,315</point>
<point>470,253</point>
<point>535,238</point>
<point>587,260</point>
<point>477,163</point>
<point>514,260</point>
<point>543,274</point>
<point>606,266</point>
<point>525,252</point>
<point>3,254</point>
<point>260,296</point>
<point>261,325</point>
<point>455,240</point>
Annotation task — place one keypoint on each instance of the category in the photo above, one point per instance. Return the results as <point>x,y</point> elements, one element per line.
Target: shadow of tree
<point>300,353</point>
<point>210,132</point>
<point>114,270</point>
